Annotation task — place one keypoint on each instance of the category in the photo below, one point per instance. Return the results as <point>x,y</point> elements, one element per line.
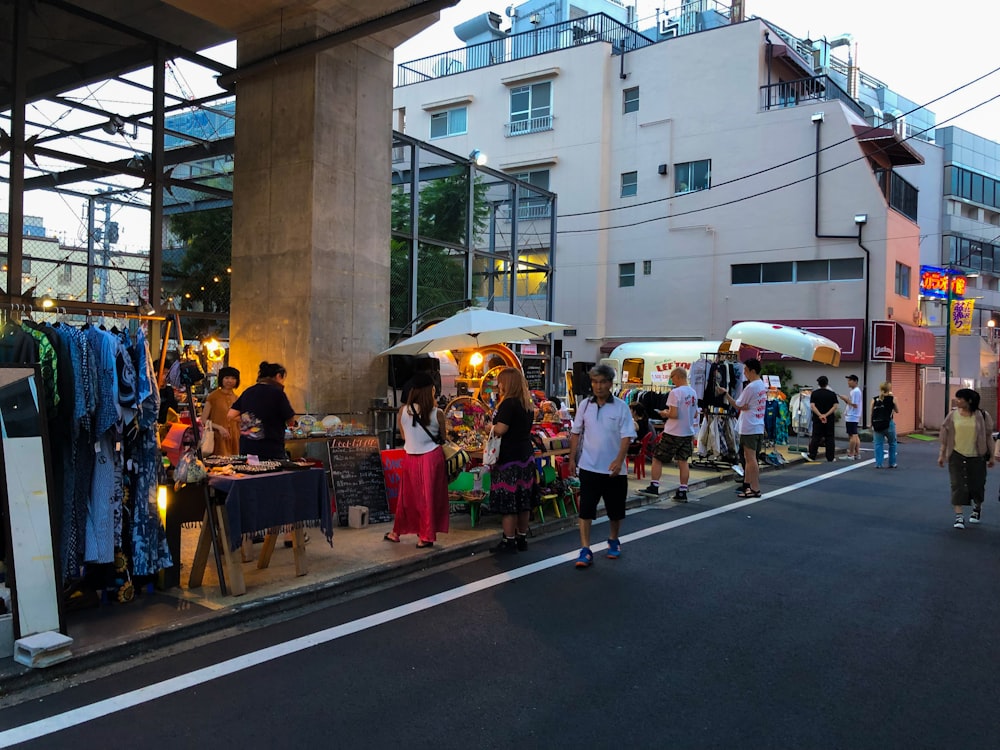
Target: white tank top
<point>415,439</point>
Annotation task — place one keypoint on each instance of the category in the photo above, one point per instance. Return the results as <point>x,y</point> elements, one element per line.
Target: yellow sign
<point>961,316</point>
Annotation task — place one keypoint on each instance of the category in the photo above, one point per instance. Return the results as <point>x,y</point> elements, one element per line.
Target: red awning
<point>916,344</point>
<point>885,141</point>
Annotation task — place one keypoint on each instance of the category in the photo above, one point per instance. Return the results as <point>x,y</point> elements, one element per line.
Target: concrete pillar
<point>310,272</point>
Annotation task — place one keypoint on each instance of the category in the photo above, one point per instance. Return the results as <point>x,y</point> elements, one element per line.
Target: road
<point>840,611</point>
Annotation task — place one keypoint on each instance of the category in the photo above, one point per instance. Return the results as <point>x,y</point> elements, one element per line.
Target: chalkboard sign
<point>356,470</point>
<point>534,373</point>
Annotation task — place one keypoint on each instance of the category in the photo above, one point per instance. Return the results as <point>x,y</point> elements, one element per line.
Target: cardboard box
<point>357,516</point>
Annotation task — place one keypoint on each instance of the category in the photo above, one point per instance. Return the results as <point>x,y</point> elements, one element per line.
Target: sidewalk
<point>359,558</point>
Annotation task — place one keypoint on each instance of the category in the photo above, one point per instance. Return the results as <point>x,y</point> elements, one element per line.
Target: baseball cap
<point>852,377</point>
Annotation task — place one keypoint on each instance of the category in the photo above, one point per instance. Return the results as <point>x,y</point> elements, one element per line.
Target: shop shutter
<point>905,386</point>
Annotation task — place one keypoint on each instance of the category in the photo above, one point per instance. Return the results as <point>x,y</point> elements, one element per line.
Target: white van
<point>648,363</point>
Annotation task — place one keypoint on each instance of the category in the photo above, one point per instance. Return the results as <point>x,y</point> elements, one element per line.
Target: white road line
<point>122,702</point>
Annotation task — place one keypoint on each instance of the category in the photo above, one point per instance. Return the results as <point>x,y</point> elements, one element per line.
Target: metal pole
<point>947,344</point>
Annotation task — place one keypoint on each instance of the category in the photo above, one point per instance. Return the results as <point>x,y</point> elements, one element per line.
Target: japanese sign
<point>934,282</point>
<point>961,316</point>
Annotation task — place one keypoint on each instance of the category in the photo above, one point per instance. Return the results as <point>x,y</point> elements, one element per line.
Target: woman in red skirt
<point>422,506</point>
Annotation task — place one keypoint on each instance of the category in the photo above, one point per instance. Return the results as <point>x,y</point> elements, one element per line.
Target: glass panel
<point>746,273</point>
<point>541,99</point>
<point>631,100</point>
<point>439,125</point>
<point>812,270</point>
<point>457,121</point>
<point>630,184</point>
<point>977,188</point>
<point>701,177</point>
<point>626,274</point>
<point>520,103</point>
<point>772,273</point>
<point>847,268</point>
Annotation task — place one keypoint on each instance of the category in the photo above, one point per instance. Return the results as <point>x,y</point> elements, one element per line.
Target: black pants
<point>823,433</point>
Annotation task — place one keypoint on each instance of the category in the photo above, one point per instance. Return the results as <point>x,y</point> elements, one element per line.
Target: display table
<point>262,504</point>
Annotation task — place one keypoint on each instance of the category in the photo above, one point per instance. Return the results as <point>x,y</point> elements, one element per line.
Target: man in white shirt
<point>751,405</point>
<point>602,430</point>
<point>852,415</point>
<point>677,439</point>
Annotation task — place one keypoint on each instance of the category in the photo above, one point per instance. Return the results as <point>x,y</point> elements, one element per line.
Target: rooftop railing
<point>814,89</point>
<point>587,30</point>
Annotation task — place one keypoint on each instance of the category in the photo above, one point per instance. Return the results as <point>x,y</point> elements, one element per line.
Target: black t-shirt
<point>516,443</point>
<point>824,399</point>
<point>264,409</point>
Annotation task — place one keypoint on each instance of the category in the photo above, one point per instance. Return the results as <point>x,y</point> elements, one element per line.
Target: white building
<point>709,178</point>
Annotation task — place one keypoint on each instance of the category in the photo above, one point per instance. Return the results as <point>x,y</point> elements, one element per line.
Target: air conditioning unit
<point>668,28</point>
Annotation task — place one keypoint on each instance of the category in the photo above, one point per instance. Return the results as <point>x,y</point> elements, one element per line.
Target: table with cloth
<point>266,504</point>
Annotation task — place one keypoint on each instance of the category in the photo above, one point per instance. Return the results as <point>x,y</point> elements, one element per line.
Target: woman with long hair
<point>422,506</point>
<point>513,477</point>
<point>967,448</point>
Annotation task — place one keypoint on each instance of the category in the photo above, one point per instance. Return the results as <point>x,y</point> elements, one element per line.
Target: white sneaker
<point>959,522</point>
<point>974,516</point>
<point>807,457</point>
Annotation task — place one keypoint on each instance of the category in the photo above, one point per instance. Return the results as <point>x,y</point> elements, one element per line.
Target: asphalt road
<point>841,613</point>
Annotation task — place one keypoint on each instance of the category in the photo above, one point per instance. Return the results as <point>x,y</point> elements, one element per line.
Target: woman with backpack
<point>883,425</point>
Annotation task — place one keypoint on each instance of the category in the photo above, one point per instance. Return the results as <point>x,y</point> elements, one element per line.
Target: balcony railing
<point>531,125</point>
<point>802,90</point>
<point>595,28</point>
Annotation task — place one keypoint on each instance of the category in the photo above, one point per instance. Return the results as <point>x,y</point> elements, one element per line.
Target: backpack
<point>881,415</point>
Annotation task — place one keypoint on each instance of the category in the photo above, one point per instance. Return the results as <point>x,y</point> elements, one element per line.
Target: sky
<point>919,54</point>
<point>920,51</point>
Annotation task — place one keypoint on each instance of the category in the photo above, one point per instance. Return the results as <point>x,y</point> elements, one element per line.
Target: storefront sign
<point>934,282</point>
<point>883,341</point>
<point>529,349</point>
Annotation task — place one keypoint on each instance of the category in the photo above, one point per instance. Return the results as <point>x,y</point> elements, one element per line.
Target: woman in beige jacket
<point>967,446</point>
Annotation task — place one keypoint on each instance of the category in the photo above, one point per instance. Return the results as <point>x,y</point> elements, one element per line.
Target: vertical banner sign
<point>392,469</point>
<point>961,316</point>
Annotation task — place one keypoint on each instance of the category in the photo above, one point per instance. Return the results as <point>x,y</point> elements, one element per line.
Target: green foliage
<point>443,218</point>
<point>202,271</point>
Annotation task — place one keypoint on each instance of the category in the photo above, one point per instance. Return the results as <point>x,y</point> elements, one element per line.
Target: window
<point>532,205</point>
<point>647,267</point>
<point>630,184</point>
<point>797,271</point>
<point>692,175</point>
<point>65,274</point>
<point>626,274</point>
<point>902,280</point>
<point>449,122</point>
<point>25,264</point>
<point>630,100</point>
<point>530,109</point>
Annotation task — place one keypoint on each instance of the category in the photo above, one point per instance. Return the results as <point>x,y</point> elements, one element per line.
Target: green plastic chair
<point>466,482</point>
<point>547,478</point>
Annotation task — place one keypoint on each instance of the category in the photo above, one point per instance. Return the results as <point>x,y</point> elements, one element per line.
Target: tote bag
<point>491,453</point>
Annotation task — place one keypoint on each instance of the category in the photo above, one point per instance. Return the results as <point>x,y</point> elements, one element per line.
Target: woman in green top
<point>967,447</point>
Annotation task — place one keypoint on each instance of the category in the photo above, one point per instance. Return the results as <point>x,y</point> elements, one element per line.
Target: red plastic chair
<point>639,459</point>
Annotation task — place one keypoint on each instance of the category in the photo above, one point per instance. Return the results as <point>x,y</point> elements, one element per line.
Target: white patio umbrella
<point>472,328</point>
<point>792,342</point>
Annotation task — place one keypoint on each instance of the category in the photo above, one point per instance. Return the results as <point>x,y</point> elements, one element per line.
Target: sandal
<point>390,538</point>
<point>424,545</point>
<point>747,493</point>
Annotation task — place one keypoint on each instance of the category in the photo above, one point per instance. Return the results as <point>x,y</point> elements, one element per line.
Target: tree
<point>441,239</point>
<point>202,272</point>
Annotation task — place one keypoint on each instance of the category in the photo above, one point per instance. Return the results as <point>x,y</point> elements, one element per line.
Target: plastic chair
<point>464,484</point>
<point>639,459</point>
<point>550,494</point>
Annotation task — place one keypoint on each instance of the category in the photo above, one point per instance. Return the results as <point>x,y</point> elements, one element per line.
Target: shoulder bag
<point>456,457</point>
<point>491,453</point>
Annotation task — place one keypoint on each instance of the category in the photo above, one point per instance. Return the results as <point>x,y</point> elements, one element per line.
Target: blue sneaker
<point>586,558</point>
<point>614,549</point>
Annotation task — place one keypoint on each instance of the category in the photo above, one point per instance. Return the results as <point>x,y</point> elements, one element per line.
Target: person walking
<point>852,416</point>
<point>752,404</point>
<point>968,448</point>
<point>677,439</point>
<point>422,506</point>
<point>823,406</point>
<point>883,425</point>
<point>513,477</point>
<point>602,432</point>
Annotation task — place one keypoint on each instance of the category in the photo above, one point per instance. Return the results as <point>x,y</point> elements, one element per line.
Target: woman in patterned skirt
<point>512,479</point>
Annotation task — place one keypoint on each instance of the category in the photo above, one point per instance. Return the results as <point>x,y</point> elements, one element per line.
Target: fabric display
<point>777,419</point>
<point>101,402</point>
<point>717,438</point>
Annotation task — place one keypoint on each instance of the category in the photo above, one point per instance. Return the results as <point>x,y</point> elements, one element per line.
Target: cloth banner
<point>961,316</point>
